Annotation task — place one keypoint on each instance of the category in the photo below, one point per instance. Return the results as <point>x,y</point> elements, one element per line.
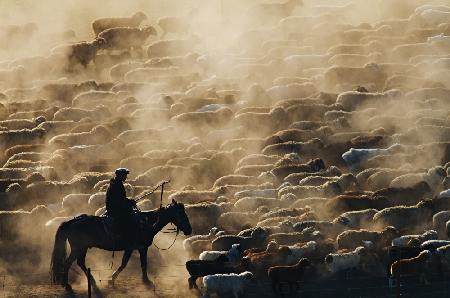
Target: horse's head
<point>179,217</point>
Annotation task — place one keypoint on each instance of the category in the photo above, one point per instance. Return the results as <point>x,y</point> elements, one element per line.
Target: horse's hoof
<point>148,283</point>
<point>68,287</point>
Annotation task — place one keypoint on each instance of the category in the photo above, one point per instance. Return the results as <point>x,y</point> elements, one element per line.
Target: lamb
<point>257,239</point>
<point>135,20</point>
<point>126,37</point>
<point>226,283</point>
<point>352,238</point>
<point>188,241</point>
<point>418,266</point>
<point>409,240</point>
<point>290,274</point>
<point>233,255</point>
<point>343,261</point>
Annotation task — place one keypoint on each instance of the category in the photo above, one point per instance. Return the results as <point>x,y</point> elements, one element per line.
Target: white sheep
<point>342,261</point>
<point>441,39</point>
<point>233,254</point>
<point>435,17</point>
<point>356,157</point>
<point>406,239</point>
<point>433,178</point>
<point>299,252</point>
<point>226,283</point>
<point>188,241</point>
<point>444,194</point>
<point>444,254</point>
<point>422,8</point>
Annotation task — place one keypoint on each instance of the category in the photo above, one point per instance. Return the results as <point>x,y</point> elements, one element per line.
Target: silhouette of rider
<point>119,206</point>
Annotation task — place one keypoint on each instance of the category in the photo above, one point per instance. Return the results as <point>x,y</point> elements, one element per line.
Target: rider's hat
<point>122,171</point>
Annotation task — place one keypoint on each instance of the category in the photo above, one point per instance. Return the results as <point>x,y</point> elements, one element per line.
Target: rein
<point>160,184</point>
<point>174,239</point>
<point>169,230</point>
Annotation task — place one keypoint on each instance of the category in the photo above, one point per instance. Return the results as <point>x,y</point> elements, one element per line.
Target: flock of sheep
<point>311,146</point>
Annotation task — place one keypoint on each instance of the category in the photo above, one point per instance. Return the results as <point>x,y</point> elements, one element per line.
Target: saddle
<point>122,229</point>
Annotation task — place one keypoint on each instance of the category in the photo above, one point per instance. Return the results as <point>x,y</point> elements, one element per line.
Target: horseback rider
<point>119,207</point>
<point>117,203</point>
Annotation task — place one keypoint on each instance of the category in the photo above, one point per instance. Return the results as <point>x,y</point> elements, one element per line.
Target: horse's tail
<point>59,253</point>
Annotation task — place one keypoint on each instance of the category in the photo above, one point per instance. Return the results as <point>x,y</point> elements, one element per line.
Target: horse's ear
<point>174,202</point>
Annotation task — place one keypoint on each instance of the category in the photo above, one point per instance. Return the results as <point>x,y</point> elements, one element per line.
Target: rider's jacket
<point>117,203</point>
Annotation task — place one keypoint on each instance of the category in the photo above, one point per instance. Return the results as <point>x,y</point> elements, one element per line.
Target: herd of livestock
<point>310,146</point>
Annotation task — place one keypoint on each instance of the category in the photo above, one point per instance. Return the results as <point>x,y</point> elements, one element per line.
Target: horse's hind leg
<point>67,264</point>
<point>125,259</point>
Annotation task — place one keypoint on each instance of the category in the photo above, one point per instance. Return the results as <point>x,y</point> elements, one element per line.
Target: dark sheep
<point>288,274</point>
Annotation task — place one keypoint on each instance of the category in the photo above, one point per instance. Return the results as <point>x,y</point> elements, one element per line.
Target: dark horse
<point>88,231</point>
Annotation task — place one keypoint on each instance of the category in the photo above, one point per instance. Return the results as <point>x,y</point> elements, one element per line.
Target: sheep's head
<point>247,275</point>
<point>213,231</point>
<point>140,16</point>
<point>149,30</point>
<point>425,255</point>
<point>390,232</point>
<point>100,43</point>
<point>430,235</point>
<point>361,250</point>
<point>333,188</point>
<point>303,263</point>
<point>272,246</point>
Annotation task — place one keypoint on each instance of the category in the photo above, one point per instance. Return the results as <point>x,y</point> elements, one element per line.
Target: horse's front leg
<point>125,259</point>
<point>143,256</point>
